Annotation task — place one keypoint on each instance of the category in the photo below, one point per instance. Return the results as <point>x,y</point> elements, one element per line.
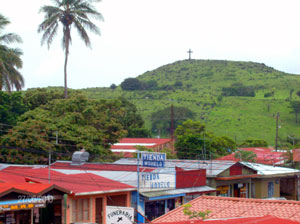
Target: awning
<point>238,177</point>
<point>159,195</point>
<point>26,203</point>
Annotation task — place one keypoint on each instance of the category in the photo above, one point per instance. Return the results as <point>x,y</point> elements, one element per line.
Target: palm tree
<point>68,13</point>
<point>10,60</point>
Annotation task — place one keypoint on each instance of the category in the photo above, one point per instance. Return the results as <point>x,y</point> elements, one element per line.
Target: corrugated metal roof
<point>177,191</point>
<point>78,182</point>
<point>269,170</point>
<point>124,177</point>
<point>213,167</point>
<point>263,155</point>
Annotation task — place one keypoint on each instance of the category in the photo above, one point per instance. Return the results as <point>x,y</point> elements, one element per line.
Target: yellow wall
<point>261,187</point>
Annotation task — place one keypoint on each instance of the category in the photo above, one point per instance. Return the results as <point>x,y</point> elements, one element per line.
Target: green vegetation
<point>247,156</point>
<point>195,214</point>
<point>11,107</point>
<point>194,88</point>
<point>10,59</point>
<point>68,13</point>
<point>192,140</point>
<point>254,143</point>
<point>77,121</point>
<point>161,119</point>
<point>199,88</point>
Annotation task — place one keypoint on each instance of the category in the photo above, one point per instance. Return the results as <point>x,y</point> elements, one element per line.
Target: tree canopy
<point>131,84</point>
<point>77,121</point>
<point>161,119</point>
<point>254,143</point>
<point>11,107</point>
<point>193,142</point>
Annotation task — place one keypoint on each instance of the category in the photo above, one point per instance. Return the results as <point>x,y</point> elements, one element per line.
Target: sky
<point>142,35</point>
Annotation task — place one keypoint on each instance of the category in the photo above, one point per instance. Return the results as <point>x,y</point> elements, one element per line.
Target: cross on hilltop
<point>190,53</point>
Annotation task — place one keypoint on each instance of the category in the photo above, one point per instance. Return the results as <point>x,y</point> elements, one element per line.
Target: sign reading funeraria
<point>153,159</point>
<point>119,215</point>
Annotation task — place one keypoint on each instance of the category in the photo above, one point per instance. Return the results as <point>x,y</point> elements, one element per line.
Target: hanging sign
<point>150,159</point>
<point>119,215</point>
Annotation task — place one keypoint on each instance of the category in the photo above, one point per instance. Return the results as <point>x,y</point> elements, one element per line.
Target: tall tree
<point>68,13</point>
<point>10,60</point>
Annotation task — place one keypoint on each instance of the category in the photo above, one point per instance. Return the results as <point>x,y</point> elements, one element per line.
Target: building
<point>32,203</point>
<point>266,156</point>
<point>160,190</point>
<point>89,193</point>
<point>241,179</point>
<point>128,146</point>
<point>226,207</point>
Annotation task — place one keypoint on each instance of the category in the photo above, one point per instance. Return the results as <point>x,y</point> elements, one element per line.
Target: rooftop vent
<point>80,157</point>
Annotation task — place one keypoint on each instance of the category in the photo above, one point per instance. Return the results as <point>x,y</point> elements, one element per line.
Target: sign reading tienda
<point>153,159</point>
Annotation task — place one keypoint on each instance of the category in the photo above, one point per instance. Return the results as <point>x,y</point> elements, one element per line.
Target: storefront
<point>156,203</point>
<point>28,203</point>
<point>157,206</point>
<point>240,190</point>
<point>223,191</point>
<point>20,211</point>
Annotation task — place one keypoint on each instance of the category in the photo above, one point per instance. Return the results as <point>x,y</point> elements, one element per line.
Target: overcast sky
<point>141,35</point>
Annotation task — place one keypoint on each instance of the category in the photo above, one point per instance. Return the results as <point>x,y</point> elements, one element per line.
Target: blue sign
<point>153,159</point>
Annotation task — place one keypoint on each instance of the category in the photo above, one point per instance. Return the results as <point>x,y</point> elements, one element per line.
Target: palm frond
<point>82,33</point>
<point>87,9</point>
<point>3,21</point>
<point>10,60</point>
<point>50,10</point>
<point>88,24</point>
<point>10,38</point>
<point>49,34</point>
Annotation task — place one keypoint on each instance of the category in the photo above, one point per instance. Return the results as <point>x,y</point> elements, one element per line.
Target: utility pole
<point>172,127</point>
<point>49,162</point>
<point>276,138</point>
<point>172,123</point>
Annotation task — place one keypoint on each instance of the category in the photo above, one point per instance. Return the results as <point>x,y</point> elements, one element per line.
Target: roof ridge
<point>249,199</point>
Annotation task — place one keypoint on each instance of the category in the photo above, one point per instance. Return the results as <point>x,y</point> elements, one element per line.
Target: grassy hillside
<point>200,89</point>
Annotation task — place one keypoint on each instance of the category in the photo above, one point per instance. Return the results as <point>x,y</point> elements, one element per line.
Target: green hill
<point>199,85</point>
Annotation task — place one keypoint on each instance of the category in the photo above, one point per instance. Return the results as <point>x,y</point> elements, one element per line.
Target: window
<point>270,189</point>
<point>80,210</point>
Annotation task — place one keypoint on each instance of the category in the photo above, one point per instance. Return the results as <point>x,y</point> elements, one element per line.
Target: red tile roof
<point>77,183</point>
<point>263,155</point>
<point>225,207</point>
<point>251,220</point>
